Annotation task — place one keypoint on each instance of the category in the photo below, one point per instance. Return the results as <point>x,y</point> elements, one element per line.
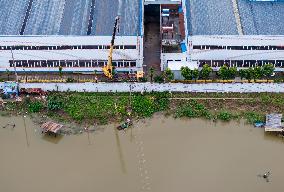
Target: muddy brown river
<point>159,155</point>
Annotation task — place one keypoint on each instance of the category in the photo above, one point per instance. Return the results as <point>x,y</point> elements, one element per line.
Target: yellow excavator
<point>108,69</point>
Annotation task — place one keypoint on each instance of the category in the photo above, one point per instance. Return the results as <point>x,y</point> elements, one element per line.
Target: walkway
<point>152,40</point>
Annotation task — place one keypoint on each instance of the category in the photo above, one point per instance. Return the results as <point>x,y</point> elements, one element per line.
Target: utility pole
<point>15,69</point>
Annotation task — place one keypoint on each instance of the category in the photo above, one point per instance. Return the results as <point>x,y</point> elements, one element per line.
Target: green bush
<point>161,101</point>
<point>186,111</point>
<point>224,116</point>
<point>35,107</point>
<point>54,103</point>
<point>158,79</point>
<point>144,106</point>
<point>265,99</point>
<point>253,117</point>
<point>193,109</point>
<point>142,79</point>
<point>70,80</point>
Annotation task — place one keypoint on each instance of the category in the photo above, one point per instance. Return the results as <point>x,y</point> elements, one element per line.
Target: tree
<point>168,75</point>
<point>205,71</point>
<point>60,71</point>
<point>249,74</point>
<point>257,73</point>
<point>224,72</point>
<point>233,72</point>
<point>186,73</point>
<point>242,73</point>
<point>268,70</point>
<point>8,73</point>
<point>195,74</point>
<point>152,70</point>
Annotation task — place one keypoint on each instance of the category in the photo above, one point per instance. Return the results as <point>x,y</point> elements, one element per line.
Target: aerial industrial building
<point>240,33</point>
<point>41,35</point>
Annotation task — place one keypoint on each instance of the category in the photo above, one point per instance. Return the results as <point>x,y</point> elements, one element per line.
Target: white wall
<point>173,87</point>
<point>75,54</point>
<point>147,2</point>
<point>171,56</point>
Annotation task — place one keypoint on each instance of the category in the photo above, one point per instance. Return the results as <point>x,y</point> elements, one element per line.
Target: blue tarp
<point>10,88</point>
<point>180,9</point>
<point>183,47</point>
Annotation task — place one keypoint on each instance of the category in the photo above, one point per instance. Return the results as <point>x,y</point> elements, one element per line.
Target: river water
<point>160,154</point>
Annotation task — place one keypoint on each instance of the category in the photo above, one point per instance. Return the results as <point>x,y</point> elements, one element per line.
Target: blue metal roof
<point>71,17</point>
<point>209,17</point>
<point>258,17</point>
<point>262,18</point>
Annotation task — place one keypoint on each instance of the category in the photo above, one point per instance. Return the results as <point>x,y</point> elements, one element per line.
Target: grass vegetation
<point>103,108</point>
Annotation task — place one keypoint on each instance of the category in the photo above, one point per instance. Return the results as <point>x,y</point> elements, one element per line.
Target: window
<point>11,63</point>
<point>196,47</point>
<point>133,64</point>
<point>63,63</point>
<point>129,47</point>
<point>25,63</point>
<point>69,64</point>
<point>101,63</point>
<point>88,63</point>
<point>119,64</point>
<point>94,63</point>
<point>43,64</point>
<point>114,63</point>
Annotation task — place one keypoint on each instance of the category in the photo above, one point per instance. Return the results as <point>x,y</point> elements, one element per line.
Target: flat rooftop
<point>211,17</point>
<point>72,17</point>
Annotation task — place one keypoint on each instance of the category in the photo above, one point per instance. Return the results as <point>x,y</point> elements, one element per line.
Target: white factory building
<point>184,41</point>
<point>73,53</point>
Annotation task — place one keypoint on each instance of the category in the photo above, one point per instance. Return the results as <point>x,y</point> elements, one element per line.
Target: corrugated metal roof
<point>212,17</point>
<point>107,10</point>
<point>70,17</point>
<point>12,14</point>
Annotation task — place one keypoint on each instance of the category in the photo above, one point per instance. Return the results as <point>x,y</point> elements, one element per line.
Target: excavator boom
<point>108,69</point>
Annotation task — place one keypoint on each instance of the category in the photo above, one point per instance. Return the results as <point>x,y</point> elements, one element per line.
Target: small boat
<point>125,125</point>
<point>259,124</point>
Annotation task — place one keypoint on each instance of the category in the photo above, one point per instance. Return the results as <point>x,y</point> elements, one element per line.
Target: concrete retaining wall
<point>173,87</point>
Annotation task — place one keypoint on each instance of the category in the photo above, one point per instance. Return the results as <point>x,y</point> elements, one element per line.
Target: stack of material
<point>273,123</point>
<point>51,127</point>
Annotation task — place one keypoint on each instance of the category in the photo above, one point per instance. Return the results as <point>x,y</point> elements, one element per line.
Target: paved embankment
<point>173,87</point>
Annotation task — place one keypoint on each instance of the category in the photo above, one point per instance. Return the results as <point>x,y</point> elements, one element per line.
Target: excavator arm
<point>109,68</point>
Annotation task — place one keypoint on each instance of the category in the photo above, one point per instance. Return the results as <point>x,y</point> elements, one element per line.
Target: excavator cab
<point>108,71</point>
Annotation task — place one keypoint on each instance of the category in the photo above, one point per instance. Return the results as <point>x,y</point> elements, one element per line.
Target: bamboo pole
<point>24,119</point>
